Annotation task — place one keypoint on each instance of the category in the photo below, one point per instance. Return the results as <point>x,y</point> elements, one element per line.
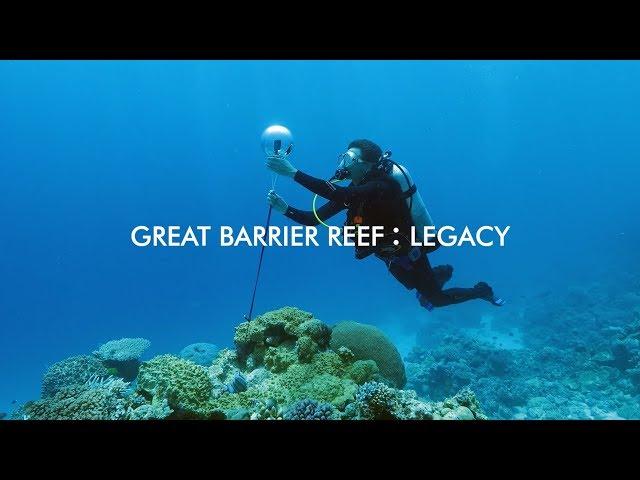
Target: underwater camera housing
<point>277,141</point>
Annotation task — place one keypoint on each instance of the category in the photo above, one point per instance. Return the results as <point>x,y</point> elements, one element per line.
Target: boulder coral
<point>367,342</point>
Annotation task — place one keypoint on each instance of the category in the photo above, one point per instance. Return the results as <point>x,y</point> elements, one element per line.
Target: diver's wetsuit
<point>379,200</point>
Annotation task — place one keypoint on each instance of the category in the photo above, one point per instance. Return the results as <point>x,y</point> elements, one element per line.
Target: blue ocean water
<point>90,149</point>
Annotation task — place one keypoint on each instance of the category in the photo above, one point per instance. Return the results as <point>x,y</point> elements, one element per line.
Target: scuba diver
<point>381,193</point>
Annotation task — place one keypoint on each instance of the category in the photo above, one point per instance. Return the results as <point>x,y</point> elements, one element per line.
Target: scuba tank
<point>420,216</point>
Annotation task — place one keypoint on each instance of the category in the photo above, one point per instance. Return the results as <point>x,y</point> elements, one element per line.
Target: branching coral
<point>311,410</point>
<point>376,401</point>
<point>97,399</point>
<point>70,372</point>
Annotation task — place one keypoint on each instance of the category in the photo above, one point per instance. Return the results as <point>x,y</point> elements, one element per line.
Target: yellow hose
<point>313,206</point>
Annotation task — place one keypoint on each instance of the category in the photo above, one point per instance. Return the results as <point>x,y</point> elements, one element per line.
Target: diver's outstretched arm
<point>343,195</point>
<point>353,193</point>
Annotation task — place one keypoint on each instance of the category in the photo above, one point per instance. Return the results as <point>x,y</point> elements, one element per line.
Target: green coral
<point>367,342</point>
<point>362,371</point>
<point>318,331</point>
<point>272,329</point>
<point>278,359</point>
<point>305,348</point>
<point>323,379</point>
<point>156,410</point>
<point>233,401</point>
<point>328,388</point>
<point>185,385</point>
<point>346,355</point>
<point>224,366</point>
<point>328,362</point>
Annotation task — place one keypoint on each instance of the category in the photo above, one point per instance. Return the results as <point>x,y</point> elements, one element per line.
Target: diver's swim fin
<point>497,301</point>
<point>486,293</point>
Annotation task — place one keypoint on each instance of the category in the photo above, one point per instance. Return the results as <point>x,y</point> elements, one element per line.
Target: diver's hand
<point>280,165</point>
<point>276,201</point>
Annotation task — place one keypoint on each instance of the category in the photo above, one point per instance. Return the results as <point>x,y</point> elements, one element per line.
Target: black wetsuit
<point>379,200</point>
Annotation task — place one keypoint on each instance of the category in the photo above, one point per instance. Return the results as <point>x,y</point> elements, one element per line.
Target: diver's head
<point>358,160</point>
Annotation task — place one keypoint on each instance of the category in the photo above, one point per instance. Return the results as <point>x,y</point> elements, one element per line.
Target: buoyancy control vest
<point>388,209</point>
<point>399,206</point>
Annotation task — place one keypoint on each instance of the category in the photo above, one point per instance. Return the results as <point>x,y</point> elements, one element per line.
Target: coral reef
<point>283,367</point>
<point>456,363</point>
<point>580,359</point>
<point>70,372</point>
<point>200,353</point>
<point>367,342</point>
<point>377,401</point>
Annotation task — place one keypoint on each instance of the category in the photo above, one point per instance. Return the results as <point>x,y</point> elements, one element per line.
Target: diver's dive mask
<point>346,161</point>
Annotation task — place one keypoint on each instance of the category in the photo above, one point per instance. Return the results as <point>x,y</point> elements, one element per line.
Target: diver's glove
<point>281,165</point>
<point>276,201</point>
